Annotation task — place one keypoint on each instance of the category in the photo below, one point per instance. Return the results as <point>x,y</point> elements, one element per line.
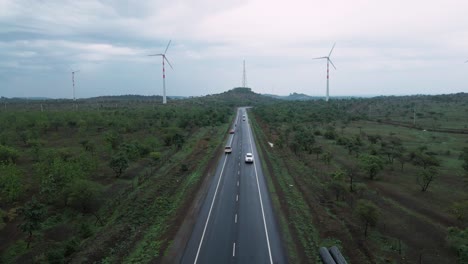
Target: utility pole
<point>414,116</point>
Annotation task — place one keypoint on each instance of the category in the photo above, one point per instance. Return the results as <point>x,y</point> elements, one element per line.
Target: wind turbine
<point>328,61</point>
<point>163,56</point>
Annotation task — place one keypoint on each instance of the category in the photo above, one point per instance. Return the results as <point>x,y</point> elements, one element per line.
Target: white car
<point>227,149</point>
<point>249,158</point>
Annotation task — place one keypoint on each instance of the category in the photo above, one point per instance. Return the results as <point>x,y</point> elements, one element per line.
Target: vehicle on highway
<point>227,149</point>
<point>231,131</point>
<point>249,158</point>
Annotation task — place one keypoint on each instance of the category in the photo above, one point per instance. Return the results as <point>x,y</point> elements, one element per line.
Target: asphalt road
<point>236,222</point>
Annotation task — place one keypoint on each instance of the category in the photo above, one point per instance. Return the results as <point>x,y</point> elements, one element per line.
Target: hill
<point>239,96</point>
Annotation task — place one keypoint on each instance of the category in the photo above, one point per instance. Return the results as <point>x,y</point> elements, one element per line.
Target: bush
<point>85,230</point>
<point>11,185</point>
<point>8,154</point>
<point>458,239</point>
<point>56,256</point>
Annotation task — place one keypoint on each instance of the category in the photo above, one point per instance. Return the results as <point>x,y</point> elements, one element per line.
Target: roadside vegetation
<point>101,181</point>
<point>110,179</point>
<point>365,175</point>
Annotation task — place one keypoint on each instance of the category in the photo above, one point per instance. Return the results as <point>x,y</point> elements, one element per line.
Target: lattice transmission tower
<point>244,77</point>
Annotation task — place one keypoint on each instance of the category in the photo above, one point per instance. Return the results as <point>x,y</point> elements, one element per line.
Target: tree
<point>368,212</point>
<point>113,139</point>
<point>317,150</point>
<point>326,157</point>
<point>119,163</point>
<point>11,185</point>
<point>336,184</point>
<point>402,157</point>
<point>371,164</point>
<point>351,174</point>
<point>425,160</point>
<point>425,177</point>
<point>56,174</point>
<point>84,196</point>
<point>33,213</point>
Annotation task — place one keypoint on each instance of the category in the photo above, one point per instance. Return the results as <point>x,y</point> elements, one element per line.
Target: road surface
<point>236,222</point>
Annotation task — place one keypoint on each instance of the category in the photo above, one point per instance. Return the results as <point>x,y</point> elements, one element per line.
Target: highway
<point>236,223</point>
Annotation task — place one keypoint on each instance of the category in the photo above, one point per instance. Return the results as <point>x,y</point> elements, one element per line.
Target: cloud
<point>279,39</point>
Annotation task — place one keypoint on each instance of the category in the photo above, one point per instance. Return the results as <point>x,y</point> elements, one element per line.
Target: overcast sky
<point>382,47</point>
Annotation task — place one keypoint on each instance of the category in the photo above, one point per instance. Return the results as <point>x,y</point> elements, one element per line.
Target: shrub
<point>8,154</point>
<point>11,185</point>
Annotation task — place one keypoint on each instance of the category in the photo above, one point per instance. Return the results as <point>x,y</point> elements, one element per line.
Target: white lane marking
<point>237,183</point>
<point>237,198</point>
<point>209,213</point>
<point>260,195</point>
<point>234,249</point>
<point>239,164</point>
<point>238,172</point>
<point>235,219</point>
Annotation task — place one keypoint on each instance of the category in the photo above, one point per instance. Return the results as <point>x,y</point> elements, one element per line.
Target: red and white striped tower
<point>164,80</point>
<point>328,70</point>
<point>328,78</point>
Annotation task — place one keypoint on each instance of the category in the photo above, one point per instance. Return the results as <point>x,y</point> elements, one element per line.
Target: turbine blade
<point>168,62</point>
<point>332,63</point>
<point>167,46</point>
<point>319,58</point>
<point>155,55</point>
<point>332,49</point>
<point>466,61</point>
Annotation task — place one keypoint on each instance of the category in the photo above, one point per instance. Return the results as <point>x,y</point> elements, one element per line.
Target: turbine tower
<point>163,56</point>
<point>244,77</point>
<point>73,83</point>
<point>328,62</point>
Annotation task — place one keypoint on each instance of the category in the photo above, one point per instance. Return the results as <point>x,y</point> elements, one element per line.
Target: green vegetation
<point>110,179</point>
<point>458,239</point>
<point>357,163</point>
<point>368,213</point>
